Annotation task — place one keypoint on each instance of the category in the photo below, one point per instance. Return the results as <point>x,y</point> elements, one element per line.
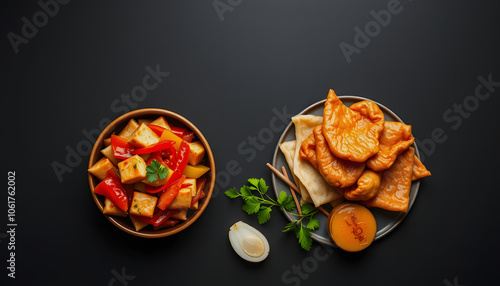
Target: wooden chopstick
<point>292,191</point>
<point>292,187</point>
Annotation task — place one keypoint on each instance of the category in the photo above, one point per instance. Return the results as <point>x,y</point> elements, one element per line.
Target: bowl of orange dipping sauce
<point>352,227</point>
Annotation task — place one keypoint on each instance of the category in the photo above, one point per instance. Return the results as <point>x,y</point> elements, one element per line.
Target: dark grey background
<point>227,75</point>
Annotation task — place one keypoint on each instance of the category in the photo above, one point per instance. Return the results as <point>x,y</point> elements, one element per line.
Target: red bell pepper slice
<point>162,145</point>
<point>170,193</point>
<point>129,189</point>
<point>157,129</point>
<point>121,148</point>
<point>167,223</point>
<point>180,163</point>
<point>169,156</point>
<point>200,185</point>
<point>114,191</point>
<point>158,218</point>
<point>185,134</point>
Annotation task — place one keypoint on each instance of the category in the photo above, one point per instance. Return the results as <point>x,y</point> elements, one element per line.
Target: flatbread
<point>288,149</point>
<point>319,190</point>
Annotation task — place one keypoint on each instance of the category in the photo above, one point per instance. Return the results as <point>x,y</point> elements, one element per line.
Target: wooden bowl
<point>174,119</point>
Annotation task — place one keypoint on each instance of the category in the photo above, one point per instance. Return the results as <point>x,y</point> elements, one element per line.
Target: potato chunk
<point>112,209</point>
<point>196,153</point>
<point>132,170</point>
<point>162,122</point>
<point>128,129</point>
<point>143,204</point>
<point>100,168</point>
<point>143,136</point>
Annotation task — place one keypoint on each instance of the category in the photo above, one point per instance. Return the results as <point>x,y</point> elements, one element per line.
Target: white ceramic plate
<point>386,220</point>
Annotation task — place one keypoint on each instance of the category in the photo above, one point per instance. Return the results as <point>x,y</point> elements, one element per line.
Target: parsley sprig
<point>155,171</point>
<point>262,203</point>
<point>303,233</point>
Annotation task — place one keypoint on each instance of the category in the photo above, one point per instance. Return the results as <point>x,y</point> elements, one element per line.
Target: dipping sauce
<point>352,227</point>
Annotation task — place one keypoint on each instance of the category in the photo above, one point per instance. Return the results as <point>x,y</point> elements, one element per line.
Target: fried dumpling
<point>308,151</point>
<point>352,132</point>
<point>366,187</point>
<point>394,193</point>
<point>337,172</point>
<point>419,170</point>
<point>394,140</point>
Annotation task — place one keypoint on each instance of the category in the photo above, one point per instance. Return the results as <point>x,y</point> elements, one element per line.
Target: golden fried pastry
<point>337,172</point>
<point>366,187</point>
<point>419,170</point>
<point>308,151</point>
<point>352,133</point>
<point>394,193</point>
<point>394,140</point>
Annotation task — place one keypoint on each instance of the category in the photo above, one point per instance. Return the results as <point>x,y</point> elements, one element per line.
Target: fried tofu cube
<point>107,141</point>
<point>100,168</point>
<point>132,170</point>
<point>143,136</point>
<point>182,200</point>
<point>128,129</point>
<point>143,204</point>
<point>108,152</point>
<point>192,187</point>
<point>196,153</point>
<point>180,214</point>
<point>162,122</point>
<point>137,222</point>
<point>145,121</point>
<point>112,209</point>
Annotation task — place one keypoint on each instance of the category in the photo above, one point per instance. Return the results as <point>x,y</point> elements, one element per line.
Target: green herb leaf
<point>254,182</point>
<point>246,192</point>
<point>291,226</point>
<point>155,171</point>
<point>286,201</point>
<point>313,224</point>
<point>307,209</point>
<point>264,214</point>
<point>251,206</point>
<point>262,186</point>
<point>232,193</point>
<point>304,236</point>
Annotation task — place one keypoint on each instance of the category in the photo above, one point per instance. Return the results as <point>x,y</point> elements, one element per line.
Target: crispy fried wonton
<point>394,140</point>
<point>394,193</point>
<point>366,187</point>
<point>419,170</point>
<point>337,172</point>
<point>352,132</point>
<point>308,151</point>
